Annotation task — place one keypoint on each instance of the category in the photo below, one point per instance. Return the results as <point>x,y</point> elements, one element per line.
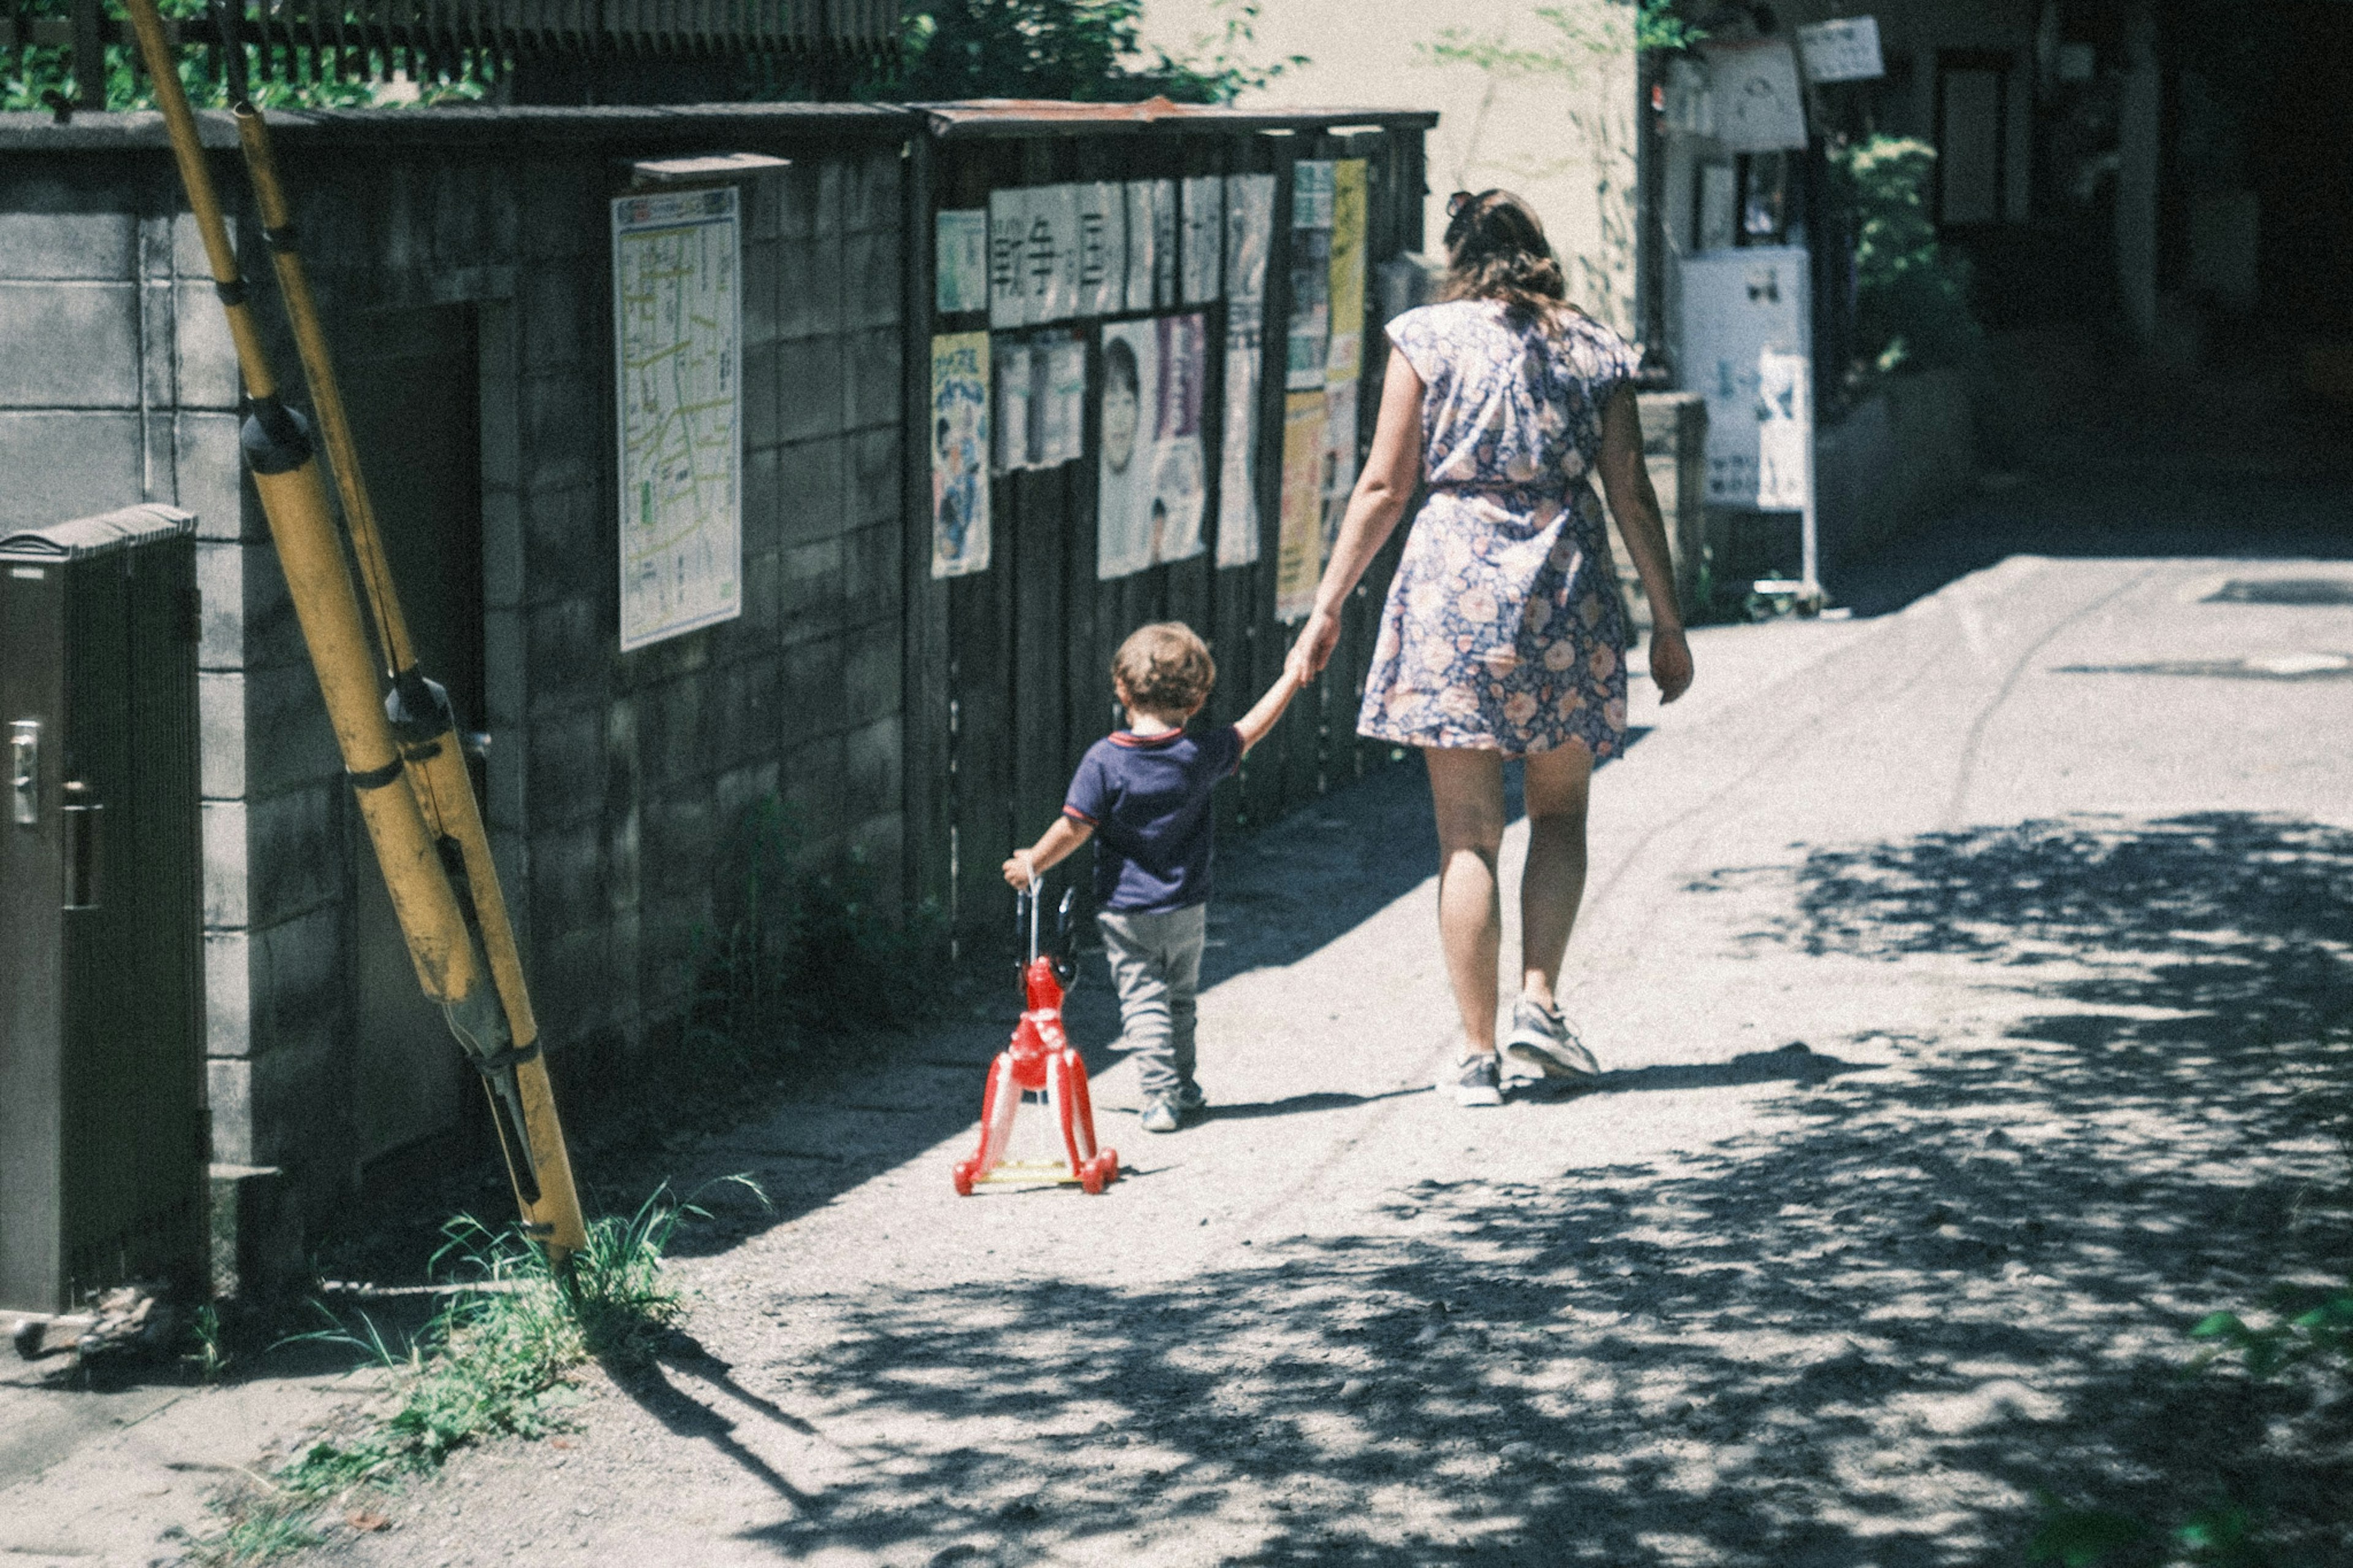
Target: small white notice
<point>1785,431</point>
<point>1844,48</point>
<point>677,346</point>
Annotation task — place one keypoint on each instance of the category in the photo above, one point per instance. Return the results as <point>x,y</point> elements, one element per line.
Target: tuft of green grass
<point>498,1360</point>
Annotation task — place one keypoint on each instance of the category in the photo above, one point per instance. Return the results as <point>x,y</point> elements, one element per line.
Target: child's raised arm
<point>1054,845</point>
<point>1255,723</point>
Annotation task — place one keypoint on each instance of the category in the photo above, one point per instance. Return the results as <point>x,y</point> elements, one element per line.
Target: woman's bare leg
<point>1467,788</point>
<point>1552,883</point>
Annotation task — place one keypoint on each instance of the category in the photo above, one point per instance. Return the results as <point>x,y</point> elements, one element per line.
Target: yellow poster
<point>1350,191</point>
<point>1299,556</point>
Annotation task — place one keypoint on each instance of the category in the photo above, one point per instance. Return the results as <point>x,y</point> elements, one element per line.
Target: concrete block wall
<point>614,781</point>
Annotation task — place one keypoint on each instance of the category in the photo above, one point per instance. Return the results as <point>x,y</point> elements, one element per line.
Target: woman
<point>1504,634</point>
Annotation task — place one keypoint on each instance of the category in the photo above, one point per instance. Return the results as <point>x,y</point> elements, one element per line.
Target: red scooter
<point>1039,1060</point>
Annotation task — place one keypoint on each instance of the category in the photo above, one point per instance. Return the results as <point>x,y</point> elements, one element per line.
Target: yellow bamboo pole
<point>436,764</point>
<point>449,963</point>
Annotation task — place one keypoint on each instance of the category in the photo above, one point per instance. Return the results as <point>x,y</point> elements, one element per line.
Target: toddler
<point>1145,791</point>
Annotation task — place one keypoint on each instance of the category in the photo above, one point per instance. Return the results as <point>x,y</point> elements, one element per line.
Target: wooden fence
<point>1006,672</point>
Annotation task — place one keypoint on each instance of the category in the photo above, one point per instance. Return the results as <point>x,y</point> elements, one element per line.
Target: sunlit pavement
<point>1968,979</point>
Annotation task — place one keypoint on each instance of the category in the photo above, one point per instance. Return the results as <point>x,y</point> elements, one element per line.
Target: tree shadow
<point>1862,1333</point>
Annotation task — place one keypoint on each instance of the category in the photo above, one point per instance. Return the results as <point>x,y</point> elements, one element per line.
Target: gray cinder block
<point>65,465</point>
<point>68,345</point>
<point>37,244</point>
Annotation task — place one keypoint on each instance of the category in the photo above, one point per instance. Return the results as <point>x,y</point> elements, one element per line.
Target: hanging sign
<point>1844,48</point>
<point>1757,107</point>
<point>960,265</point>
<point>959,433</point>
<point>677,305</point>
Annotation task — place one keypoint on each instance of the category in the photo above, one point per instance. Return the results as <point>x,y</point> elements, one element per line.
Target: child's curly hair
<point>1166,669</point>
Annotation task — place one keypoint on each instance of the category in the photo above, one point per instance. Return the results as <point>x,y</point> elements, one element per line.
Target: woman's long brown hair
<point>1495,249</point>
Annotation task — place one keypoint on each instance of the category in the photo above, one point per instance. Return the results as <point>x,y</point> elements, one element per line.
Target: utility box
<point>102,1131</point>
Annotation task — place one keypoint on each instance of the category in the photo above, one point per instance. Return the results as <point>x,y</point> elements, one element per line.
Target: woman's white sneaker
<point>1541,1038</point>
<point>1478,1080</point>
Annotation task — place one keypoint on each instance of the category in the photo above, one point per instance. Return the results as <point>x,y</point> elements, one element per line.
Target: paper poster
<point>1151,245</point>
<point>1739,305</point>
<point>1101,250</point>
<point>1204,242</point>
<point>1238,523</point>
<point>959,432</point>
<point>1844,48</point>
<point>1757,104</point>
<point>1008,230</point>
<point>960,266</point>
<point>1343,359</point>
<point>1339,478</point>
<point>1785,430</point>
<point>678,312</point>
<point>1061,406</point>
<point>1151,487</point>
<point>1041,394</point>
<point>1249,235</point>
<point>1311,193</point>
<point>1298,560</point>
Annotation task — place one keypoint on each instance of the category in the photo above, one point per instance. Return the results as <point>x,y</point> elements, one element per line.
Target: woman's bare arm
<point>1625,480</point>
<point>1384,490</point>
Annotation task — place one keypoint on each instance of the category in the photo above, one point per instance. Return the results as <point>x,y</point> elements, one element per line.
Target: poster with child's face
<point>1151,484</point>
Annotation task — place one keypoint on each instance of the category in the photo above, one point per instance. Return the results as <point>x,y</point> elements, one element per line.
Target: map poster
<point>678,320</point>
<point>1151,487</point>
<point>1343,359</point>
<point>1298,555</point>
<point>960,252</point>
<point>959,442</point>
<point>1249,231</point>
<point>1238,543</point>
<point>1205,238</point>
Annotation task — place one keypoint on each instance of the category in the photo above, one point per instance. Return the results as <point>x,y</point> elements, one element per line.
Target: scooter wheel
<point>1090,1176</point>
<point>963,1177</point>
<point>1108,1163</point>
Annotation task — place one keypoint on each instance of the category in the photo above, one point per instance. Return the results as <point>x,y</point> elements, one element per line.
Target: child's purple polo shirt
<point>1147,799</point>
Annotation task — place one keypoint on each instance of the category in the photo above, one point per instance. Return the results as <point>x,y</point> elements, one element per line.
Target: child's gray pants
<point>1156,963</point>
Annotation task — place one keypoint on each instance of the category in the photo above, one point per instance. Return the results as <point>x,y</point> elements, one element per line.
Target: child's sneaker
<point>1161,1115</point>
<point>1190,1100</point>
<point>1541,1038</point>
<point>1477,1081</point>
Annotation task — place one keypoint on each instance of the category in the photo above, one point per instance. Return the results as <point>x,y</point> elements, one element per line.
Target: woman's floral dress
<point>1504,630</point>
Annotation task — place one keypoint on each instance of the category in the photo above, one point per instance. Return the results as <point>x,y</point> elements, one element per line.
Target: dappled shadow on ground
<point>1858,1333</point>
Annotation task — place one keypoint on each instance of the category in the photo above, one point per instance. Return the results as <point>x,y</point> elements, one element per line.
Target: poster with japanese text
<point>1204,241</point>
<point>1343,358</point>
<point>1151,244</point>
<point>1034,255</point>
<point>1237,517</point>
<point>959,442</point>
<point>1249,235</point>
<point>1308,339</point>
<point>960,261</point>
<point>1151,484</point>
<point>1101,241</point>
<point>1299,552</point>
<point>1338,481</point>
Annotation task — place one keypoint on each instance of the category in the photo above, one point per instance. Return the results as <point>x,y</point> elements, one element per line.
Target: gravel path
<point>1971,982</point>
